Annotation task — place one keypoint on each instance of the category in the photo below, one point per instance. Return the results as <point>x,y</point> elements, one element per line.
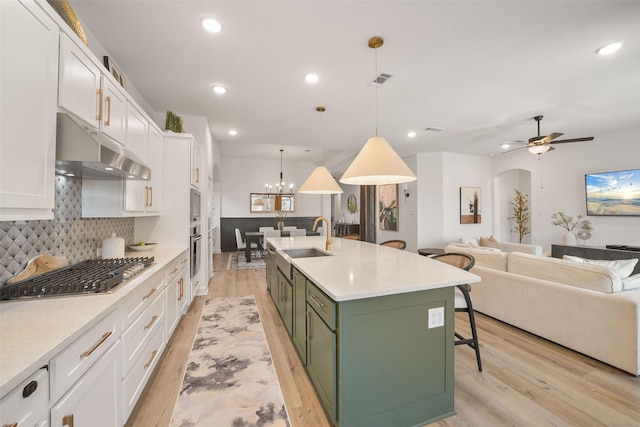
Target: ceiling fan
<point>542,143</point>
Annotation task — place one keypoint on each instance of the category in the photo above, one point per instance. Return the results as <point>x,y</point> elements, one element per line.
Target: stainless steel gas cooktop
<point>92,276</point>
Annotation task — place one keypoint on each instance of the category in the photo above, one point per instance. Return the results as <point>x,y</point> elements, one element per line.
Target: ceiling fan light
<point>320,182</point>
<point>539,149</point>
<point>377,164</point>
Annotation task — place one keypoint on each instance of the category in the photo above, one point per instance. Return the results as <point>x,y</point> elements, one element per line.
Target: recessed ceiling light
<point>219,89</point>
<point>504,146</point>
<point>233,132</point>
<point>608,49</point>
<point>311,78</point>
<point>108,169</point>
<point>411,134</point>
<point>211,25</point>
<point>70,174</point>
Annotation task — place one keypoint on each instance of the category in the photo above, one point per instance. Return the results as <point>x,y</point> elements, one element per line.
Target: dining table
<point>256,237</point>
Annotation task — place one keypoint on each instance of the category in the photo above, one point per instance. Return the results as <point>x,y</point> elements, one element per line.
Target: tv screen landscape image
<point>613,193</point>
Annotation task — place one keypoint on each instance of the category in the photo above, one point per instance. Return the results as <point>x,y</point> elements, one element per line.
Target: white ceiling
<point>479,70</point>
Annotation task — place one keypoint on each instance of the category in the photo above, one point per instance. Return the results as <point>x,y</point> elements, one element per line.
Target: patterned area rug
<point>230,379</point>
<point>238,261</point>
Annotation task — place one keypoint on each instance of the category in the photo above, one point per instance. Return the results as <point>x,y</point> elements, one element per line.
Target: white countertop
<point>359,270</point>
<point>32,331</point>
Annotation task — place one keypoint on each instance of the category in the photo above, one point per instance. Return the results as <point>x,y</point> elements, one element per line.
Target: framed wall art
<point>388,207</point>
<point>115,71</point>
<point>470,206</point>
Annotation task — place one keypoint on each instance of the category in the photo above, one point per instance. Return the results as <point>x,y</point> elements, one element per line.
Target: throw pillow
<point>486,242</point>
<point>624,267</point>
<point>493,239</point>
<point>471,242</point>
<point>631,282</point>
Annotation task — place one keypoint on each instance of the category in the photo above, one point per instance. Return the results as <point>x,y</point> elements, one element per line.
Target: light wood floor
<point>527,381</point>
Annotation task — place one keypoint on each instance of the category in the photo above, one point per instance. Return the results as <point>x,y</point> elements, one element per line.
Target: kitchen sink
<point>284,256</point>
<point>304,253</point>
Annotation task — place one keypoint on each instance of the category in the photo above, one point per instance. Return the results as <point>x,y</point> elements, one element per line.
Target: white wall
<point>240,177</point>
<point>557,184</point>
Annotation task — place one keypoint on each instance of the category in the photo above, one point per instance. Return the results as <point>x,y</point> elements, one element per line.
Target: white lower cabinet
<point>27,404</point>
<point>176,293</point>
<point>95,399</point>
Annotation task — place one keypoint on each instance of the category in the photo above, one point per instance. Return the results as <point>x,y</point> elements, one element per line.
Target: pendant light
<point>377,163</point>
<point>280,184</point>
<point>320,181</point>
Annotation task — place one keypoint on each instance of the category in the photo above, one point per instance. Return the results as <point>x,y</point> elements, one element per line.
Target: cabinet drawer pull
<point>315,299</point>
<point>150,196</point>
<point>108,122</point>
<point>99,116</point>
<point>151,322</point>
<point>67,420</point>
<point>149,294</point>
<point>181,287</point>
<point>150,359</point>
<point>11,425</point>
<point>96,345</point>
<point>197,175</point>
<point>184,261</point>
<point>173,271</point>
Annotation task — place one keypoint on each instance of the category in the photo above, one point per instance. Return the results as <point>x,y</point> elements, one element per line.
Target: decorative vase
<point>281,226</point>
<point>569,239</point>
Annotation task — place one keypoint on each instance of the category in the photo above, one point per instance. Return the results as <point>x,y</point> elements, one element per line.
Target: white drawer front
<point>136,337</point>
<point>143,367</point>
<point>146,293</point>
<point>70,364</point>
<point>32,410</point>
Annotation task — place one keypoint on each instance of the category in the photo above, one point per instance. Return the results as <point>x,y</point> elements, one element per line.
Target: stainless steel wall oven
<point>196,248</point>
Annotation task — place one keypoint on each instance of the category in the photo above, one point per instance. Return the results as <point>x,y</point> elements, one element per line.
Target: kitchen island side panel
<point>392,368</point>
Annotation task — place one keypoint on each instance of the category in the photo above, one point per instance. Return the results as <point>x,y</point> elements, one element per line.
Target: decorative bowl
<point>142,248</point>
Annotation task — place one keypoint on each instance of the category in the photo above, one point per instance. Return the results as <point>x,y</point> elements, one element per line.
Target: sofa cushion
<point>624,267</point>
<point>587,276</point>
<point>486,257</point>
<point>520,247</point>
<point>631,282</point>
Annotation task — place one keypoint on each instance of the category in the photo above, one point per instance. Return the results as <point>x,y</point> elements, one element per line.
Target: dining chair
<point>298,232</point>
<point>289,228</point>
<point>463,299</point>
<point>397,244</point>
<point>269,233</point>
<point>265,228</point>
<point>242,244</point>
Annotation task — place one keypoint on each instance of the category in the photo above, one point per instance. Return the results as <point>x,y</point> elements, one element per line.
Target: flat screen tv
<point>613,193</point>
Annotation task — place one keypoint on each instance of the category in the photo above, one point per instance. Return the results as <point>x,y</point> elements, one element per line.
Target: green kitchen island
<point>374,327</point>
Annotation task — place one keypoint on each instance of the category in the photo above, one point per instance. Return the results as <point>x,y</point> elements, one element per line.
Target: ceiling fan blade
<point>514,149</point>
<point>551,137</point>
<point>563,141</point>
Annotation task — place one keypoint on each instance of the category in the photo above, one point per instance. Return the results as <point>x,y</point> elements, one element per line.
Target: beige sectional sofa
<point>587,308</point>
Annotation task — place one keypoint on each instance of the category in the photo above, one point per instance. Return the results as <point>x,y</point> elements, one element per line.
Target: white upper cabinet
<point>195,164</point>
<point>80,90</point>
<point>114,111</point>
<point>28,76</point>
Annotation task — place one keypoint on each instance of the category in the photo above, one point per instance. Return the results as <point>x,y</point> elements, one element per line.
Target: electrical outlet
<point>436,317</point>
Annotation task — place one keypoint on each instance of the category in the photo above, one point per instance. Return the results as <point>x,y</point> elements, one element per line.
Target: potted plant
<point>570,223</point>
<point>520,212</point>
<point>281,216</point>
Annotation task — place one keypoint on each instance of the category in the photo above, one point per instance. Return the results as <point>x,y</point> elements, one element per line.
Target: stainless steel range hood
<point>88,153</point>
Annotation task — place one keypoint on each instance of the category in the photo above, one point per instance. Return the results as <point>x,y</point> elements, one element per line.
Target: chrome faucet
<point>327,245</point>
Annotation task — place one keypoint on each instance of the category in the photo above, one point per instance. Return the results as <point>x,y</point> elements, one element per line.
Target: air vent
<point>433,129</point>
<point>381,79</point>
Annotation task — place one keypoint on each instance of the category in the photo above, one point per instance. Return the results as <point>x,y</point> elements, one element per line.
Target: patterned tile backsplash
<point>68,234</point>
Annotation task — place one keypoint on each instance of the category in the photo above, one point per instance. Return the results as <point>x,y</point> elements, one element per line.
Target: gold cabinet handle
<point>151,322</point>
<point>184,261</point>
<point>11,425</point>
<point>197,175</point>
<point>174,270</point>
<point>108,122</point>
<point>149,294</point>
<point>67,420</point>
<point>150,359</point>
<point>181,287</point>
<point>95,346</point>
<point>315,299</point>
<point>150,196</point>
<point>99,116</point>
